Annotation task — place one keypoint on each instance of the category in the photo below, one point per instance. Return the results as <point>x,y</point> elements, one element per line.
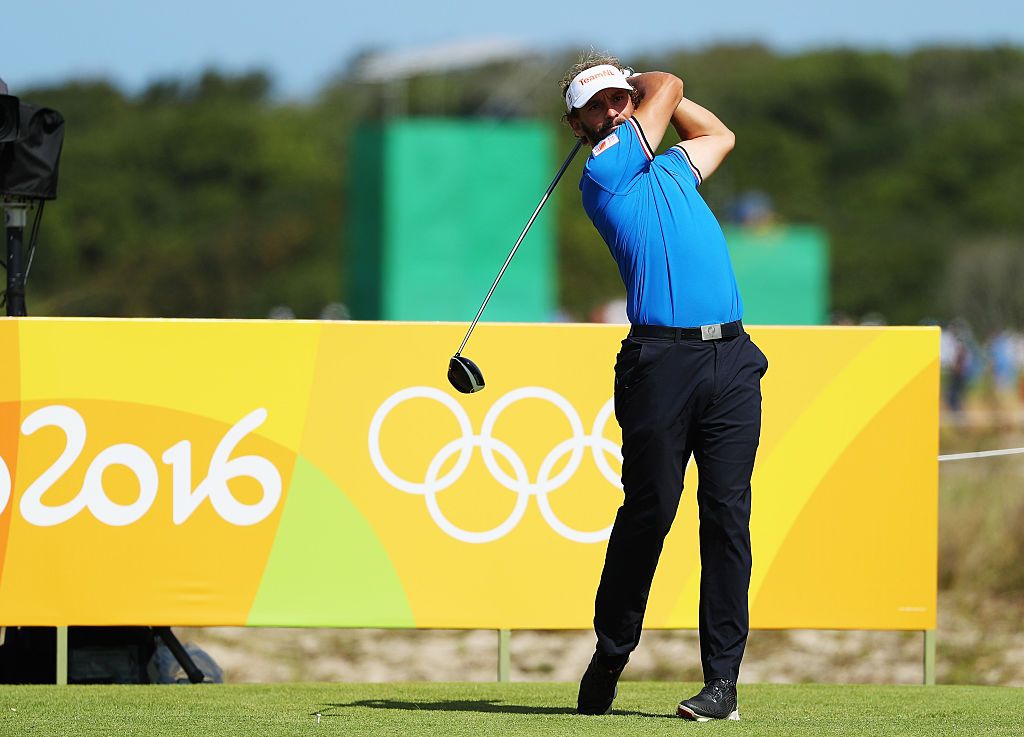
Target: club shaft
<point>551,188</point>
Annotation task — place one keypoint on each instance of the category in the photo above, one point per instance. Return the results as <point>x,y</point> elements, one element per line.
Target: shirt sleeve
<point>619,157</point>
<point>678,161</point>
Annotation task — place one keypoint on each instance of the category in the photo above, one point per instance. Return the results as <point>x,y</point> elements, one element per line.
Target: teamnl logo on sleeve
<point>224,466</point>
<point>538,485</point>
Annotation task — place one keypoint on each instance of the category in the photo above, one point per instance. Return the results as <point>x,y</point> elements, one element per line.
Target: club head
<point>465,375</point>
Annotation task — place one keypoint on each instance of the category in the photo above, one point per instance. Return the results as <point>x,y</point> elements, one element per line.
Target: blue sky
<point>303,42</point>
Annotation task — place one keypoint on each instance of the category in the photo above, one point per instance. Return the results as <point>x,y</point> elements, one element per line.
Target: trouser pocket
<point>635,361</point>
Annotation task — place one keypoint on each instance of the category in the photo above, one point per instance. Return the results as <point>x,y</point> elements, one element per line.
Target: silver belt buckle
<point>711,332</point>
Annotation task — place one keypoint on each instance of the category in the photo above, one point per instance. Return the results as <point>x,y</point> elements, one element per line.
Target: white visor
<point>589,82</point>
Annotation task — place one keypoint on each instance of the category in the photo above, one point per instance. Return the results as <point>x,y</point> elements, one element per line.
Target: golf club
<point>463,374</point>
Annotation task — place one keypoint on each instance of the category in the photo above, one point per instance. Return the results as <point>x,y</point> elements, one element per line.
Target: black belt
<point>716,331</point>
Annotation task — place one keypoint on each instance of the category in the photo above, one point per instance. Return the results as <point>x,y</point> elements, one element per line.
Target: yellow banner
<point>305,474</point>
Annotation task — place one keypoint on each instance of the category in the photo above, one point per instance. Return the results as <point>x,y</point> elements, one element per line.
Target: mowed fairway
<point>452,709</point>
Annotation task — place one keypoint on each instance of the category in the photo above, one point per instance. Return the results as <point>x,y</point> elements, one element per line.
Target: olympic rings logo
<point>520,483</point>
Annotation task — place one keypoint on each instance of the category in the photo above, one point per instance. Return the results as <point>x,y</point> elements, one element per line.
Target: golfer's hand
<point>643,81</point>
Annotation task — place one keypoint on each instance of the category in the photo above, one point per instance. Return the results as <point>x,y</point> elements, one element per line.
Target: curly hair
<point>589,59</point>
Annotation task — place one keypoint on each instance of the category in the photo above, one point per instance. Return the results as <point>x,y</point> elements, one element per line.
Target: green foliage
<point>189,200</point>
<point>209,197</point>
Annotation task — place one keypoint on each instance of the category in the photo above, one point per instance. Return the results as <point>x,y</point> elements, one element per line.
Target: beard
<point>594,135</point>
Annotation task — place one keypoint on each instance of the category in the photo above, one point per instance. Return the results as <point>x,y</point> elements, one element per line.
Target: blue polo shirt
<point>669,247</point>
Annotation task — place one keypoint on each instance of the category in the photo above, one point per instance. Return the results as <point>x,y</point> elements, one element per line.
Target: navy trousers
<point>674,397</point>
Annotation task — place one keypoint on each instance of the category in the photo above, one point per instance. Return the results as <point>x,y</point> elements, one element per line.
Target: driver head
<point>465,375</point>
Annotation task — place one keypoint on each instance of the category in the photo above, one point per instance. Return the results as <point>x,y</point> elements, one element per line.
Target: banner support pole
<point>929,657</point>
<point>62,656</point>
<point>504,656</point>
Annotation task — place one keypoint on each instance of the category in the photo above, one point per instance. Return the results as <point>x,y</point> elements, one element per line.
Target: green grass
<point>528,709</point>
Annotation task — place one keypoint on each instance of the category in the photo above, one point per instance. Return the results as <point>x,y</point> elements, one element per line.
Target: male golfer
<point>687,379</point>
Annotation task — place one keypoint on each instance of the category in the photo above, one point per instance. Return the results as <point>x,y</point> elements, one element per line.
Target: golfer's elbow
<point>728,140</point>
<point>676,88</point>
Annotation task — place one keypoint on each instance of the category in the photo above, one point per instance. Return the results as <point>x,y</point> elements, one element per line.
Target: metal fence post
<point>929,657</point>
<point>504,655</point>
<point>62,656</point>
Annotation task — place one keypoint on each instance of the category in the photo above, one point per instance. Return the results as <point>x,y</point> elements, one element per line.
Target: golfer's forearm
<point>693,121</point>
<point>659,95</point>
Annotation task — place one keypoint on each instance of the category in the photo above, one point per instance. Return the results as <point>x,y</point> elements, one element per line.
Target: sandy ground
<point>978,642</point>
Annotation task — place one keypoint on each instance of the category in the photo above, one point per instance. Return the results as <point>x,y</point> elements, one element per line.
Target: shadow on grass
<point>489,706</point>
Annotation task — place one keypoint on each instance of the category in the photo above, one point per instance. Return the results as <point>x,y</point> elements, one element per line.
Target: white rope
<point>980,454</point>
